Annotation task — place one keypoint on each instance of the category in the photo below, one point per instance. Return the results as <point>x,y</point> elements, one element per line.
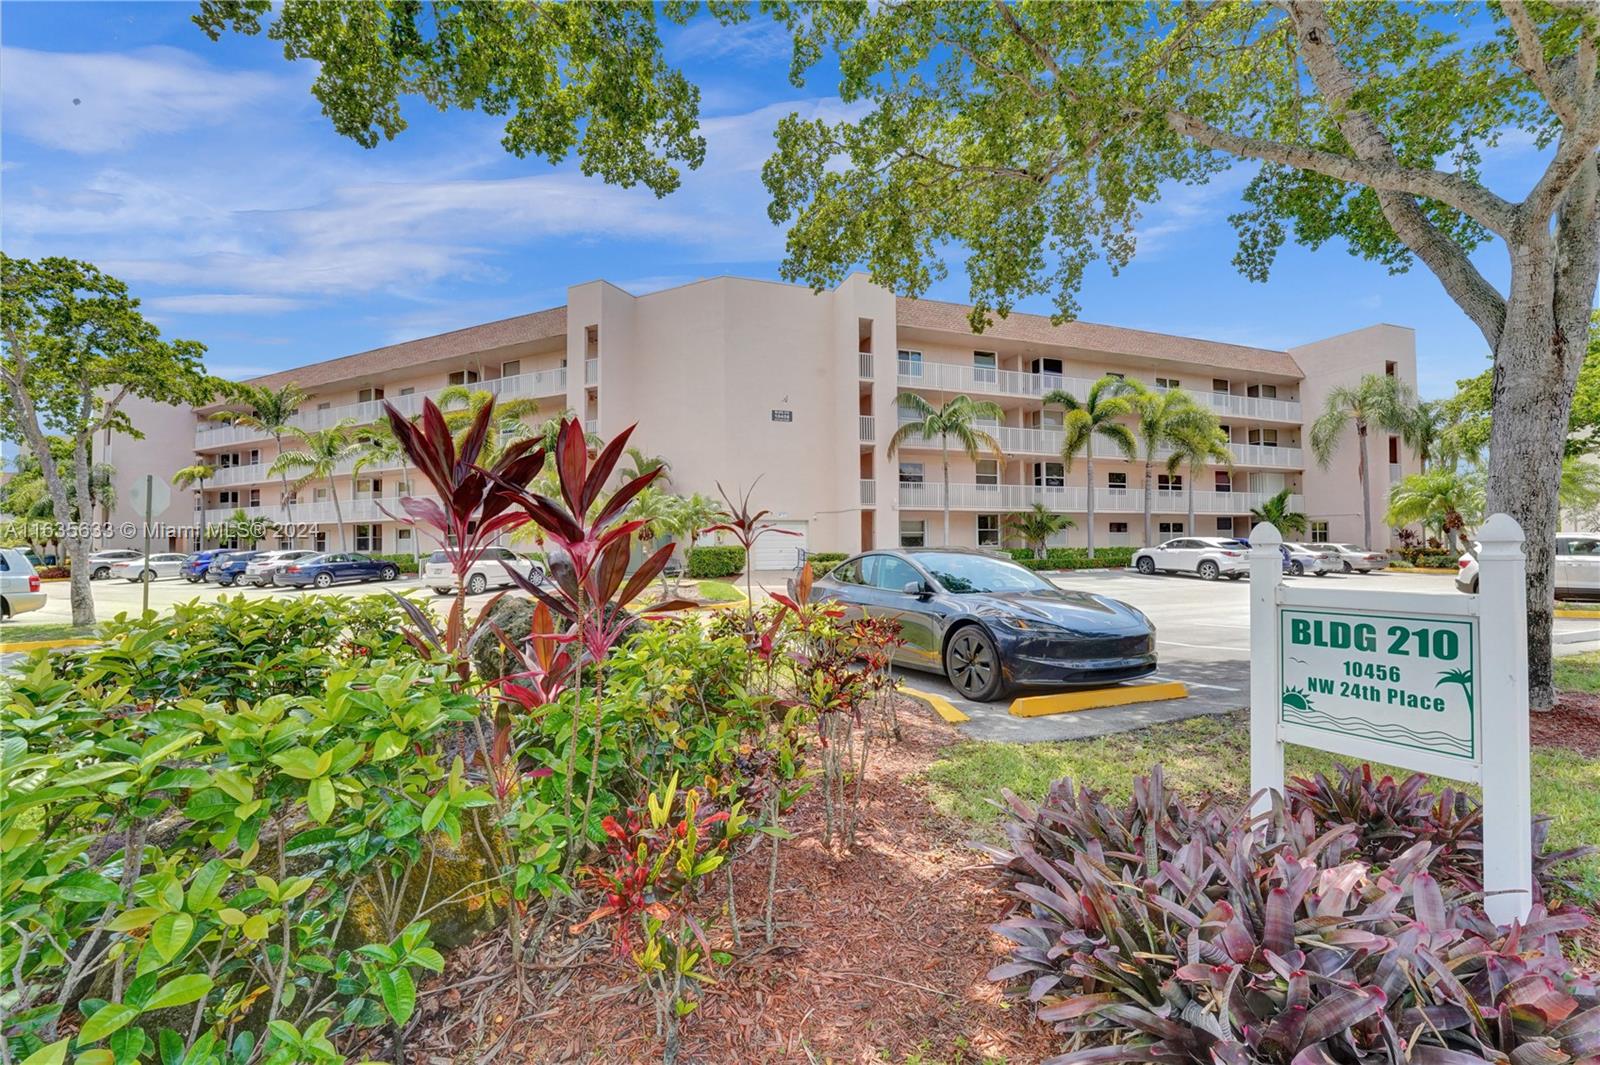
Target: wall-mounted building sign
<point>783,415</point>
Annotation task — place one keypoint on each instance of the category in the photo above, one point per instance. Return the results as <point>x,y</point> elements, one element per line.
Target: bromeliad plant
<point>1152,931</point>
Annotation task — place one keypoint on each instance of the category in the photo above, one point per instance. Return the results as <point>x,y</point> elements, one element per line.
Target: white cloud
<point>101,102</point>
<point>223,303</point>
<point>751,43</point>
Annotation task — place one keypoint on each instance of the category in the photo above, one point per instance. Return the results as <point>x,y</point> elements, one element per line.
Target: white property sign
<point>1435,683</point>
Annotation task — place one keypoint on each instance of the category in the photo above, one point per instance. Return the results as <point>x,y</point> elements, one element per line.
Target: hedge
<point>1430,558</point>
<point>715,561</point>
<point>824,562</point>
<point>405,563</point>
<point>1074,558</point>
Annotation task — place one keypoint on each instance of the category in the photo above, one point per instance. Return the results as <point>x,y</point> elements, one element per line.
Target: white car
<point>1208,556</point>
<point>19,584</point>
<point>152,568</point>
<point>490,569</point>
<point>1309,558</point>
<point>260,570</point>
<point>1577,567</point>
<point>100,562</point>
<point>1353,558</point>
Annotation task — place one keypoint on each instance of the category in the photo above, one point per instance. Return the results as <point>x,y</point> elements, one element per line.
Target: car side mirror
<point>916,588</point>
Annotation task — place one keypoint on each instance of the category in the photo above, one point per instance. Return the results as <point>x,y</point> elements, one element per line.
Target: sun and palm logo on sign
<point>1297,698</point>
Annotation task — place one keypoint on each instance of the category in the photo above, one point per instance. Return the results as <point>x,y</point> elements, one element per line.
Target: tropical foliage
<point>1377,401</point>
<point>1096,416</point>
<point>1276,511</point>
<point>958,419</point>
<point>1036,525</point>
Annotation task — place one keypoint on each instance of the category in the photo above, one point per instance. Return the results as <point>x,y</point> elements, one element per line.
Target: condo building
<point>792,393</point>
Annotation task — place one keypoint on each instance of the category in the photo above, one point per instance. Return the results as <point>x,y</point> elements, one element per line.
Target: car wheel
<point>1349,568</point>
<point>1322,573</point>
<point>1208,570</point>
<point>972,664</point>
<point>100,574</point>
<point>147,576</point>
<point>1297,568</point>
<point>1234,576</point>
<point>323,580</point>
<point>5,607</point>
<point>441,591</point>
<point>388,573</point>
<point>1145,565</point>
<point>476,584</point>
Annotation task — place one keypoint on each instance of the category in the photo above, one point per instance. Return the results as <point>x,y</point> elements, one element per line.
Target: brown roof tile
<point>523,329</point>
<point>1038,329</point>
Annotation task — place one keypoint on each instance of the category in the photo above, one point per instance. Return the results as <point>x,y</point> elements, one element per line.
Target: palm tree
<point>549,432</point>
<point>687,520</point>
<point>1276,512</point>
<point>1163,417</point>
<point>1036,525</point>
<point>1376,400</point>
<point>460,406</point>
<point>270,411</point>
<point>958,418</point>
<point>321,453</point>
<point>1443,497</point>
<point>1195,447</point>
<point>643,464</point>
<point>1428,433</point>
<point>1094,415</point>
<point>198,474</point>
<point>654,507</point>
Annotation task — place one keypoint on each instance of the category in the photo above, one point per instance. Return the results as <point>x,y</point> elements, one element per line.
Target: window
<point>1224,482</point>
<point>255,497</point>
<point>320,495</point>
<point>408,390</point>
<point>1226,430</point>
<point>1388,369</point>
<point>403,536</point>
<point>369,395</point>
<point>228,459</point>
<point>369,538</point>
<point>324,405</point>
<point>988,473</point>
<point>511,369</point>
<point>1051,367</point>
<point>910,363</point>
<point>1117,482</point>
<point>1171,528</point>
<point>320,541</point>
<point>1046,419</point>
<point>1168,382</point>
<point>255,456</point>
<point>1169,482</point>
<point>464,377</point>
<point>1394,451</point>
<point>1119,527</point>
<point>1117,376</point>
<point>913,533</point>
<point>988,530</point>
<point>1319,531</point>
<point>369,487</point>
<point>1586,546</point>
<point>1262,391</point>
<point>892,574</point>
<point>1049,475</point>
<point>848,572</point>
<point>984,366</point>
<point>1225,524</point>
<point>1219,386</point>
<point>911,473</point>
<point>1264,437</point>
<point>229,498</point>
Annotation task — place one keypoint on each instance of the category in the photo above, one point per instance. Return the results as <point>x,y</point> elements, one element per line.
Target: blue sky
<point>205,175</point>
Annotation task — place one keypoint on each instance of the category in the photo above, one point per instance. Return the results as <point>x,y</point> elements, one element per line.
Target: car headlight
<point>1030,625</point>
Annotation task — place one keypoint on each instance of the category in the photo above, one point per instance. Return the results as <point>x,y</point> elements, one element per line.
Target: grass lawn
<point>717,592</point>
<point>1213,754</point>
<point>1579,673</point>
<point>25,632</point>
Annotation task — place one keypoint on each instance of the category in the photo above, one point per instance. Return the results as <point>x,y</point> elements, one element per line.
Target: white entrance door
<point>775,551</point>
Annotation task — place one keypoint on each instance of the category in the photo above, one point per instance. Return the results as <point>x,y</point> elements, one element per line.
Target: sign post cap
<point>1501,529</point>
<point>1265,533</point>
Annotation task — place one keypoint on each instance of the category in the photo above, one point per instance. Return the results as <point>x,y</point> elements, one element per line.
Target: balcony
<point>1014,440</point>
<point>868,428</point>
<point>319,512</point>
<point>864,370</point>
<point>541,383</point>
<point>956,377</point>
<point>1073,499</point>
<point>869,493</point>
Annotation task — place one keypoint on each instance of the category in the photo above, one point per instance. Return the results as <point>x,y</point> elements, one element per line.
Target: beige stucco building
<point>735,380</point>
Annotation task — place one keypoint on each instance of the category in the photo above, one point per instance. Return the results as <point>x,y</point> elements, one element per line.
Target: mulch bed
<point>1574,723</point>
<point>879,954</point>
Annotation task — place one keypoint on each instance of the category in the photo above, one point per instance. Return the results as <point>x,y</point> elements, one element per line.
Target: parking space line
<point>941,706</point>
<point>1099,698</point>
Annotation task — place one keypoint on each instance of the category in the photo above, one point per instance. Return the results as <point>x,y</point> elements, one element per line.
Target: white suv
<point>19,584</point>
<point>1208,556</point>
<point>1577,567</point>
<point>440,575</point>
<point>101,562</point>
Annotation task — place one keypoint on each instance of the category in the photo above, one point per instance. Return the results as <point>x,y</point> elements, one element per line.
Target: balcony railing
<point>540,383</point>
<point>869,493</point>
<point>864,370</point>
<point>1074,499</point>
<point>868,428</point>
<point>1014,440</point>
<point>591,371</point>
<point>319,512</point>
<point>956,377</point>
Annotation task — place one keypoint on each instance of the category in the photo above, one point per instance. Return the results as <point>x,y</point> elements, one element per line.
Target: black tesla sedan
<point>990,625</point>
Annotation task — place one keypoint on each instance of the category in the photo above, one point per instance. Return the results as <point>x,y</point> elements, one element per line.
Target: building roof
<point>523,329</point>
<point>1038,329</point>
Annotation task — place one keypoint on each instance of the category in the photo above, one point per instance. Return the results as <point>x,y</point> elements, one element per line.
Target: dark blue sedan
<point>228,567</point>
<point>322,571</point>
<point>195,566</point>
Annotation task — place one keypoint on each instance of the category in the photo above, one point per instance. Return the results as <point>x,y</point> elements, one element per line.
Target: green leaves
<point>180,992</point>
<point>399,994</point>
<point>170,934</point>
<point>109,1018</point>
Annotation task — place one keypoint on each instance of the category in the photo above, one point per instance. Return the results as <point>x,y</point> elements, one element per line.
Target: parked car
<point>1577,567</point>
<point>228,567</point>
<point>1210,557</point>
<point>989,625</point>
<point>100,562</point>
<point>20,591</point>
<point>322,571</point>
<point>489,570</point>
<point>194,567</point>
<point>262,570</point>
<point>155,567</point>
<point>1353,558</point>
<point>1305,558</point>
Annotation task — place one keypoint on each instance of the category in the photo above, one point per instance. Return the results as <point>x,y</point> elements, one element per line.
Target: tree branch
<point>1530,54</point>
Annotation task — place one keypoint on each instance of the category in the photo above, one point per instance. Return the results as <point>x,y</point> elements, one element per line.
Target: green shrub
<point>821,557</point>
<point>1400,563</point>
<point>822,569</point>
<point>1020,554</point>
<point>715,561</point>
<point>1430,558</point>
<point>406,563</point>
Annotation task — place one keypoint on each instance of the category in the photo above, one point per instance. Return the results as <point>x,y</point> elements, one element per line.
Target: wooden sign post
<point>1435,683</point>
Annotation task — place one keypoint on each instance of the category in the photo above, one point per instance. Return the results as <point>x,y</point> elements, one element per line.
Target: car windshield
<point>968,574</point>
<point>1350,547</point>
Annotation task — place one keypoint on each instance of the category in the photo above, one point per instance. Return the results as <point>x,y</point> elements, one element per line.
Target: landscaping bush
<point>715,561</point>
<point>1078,557</point>
<point>1157,931</point>
<point>1020,554</point>
<point>54,573</point>
<point>406,563</point>
<point>1430,558</point>
<point>824,562</point>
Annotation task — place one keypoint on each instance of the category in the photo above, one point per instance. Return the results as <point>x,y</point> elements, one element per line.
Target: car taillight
<point>292,569</point>
<point>33,582</point>
<point>1461,563</point>
<point>1234,554</point>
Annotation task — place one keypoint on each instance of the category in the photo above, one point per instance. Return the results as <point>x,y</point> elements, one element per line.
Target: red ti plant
<point>747,527</point>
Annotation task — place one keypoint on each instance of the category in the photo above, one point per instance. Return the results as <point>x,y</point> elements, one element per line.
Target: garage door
<point>776,551</point>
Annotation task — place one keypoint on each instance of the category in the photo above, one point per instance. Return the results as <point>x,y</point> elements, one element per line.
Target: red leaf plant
<point>746,526</point>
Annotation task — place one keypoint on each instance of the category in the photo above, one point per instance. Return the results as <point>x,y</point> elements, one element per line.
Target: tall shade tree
<point>76,347</point>
<point>1096,415</point>
<point>1036,525</point>
<point>958,419</point>
<point>1033,136</point>
<point>1441,498</point>
<point>318,458</point>
<point>268,410</point>
<point>1161,419</point>
<point>1197,445</point>
<point>1275,511</point>
<point>1377,400</point>
<point>196,476</point>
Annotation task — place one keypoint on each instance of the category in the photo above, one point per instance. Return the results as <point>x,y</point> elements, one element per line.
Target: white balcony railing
<point>1014,440</point>
<point>529,385</point>
<point>956,377</point>
<point>864,370</point>
<point>318,512</point>
<point>869,493</point>
<point>1073,499</point>
<point>868,428</point>
<point>591,371</point>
